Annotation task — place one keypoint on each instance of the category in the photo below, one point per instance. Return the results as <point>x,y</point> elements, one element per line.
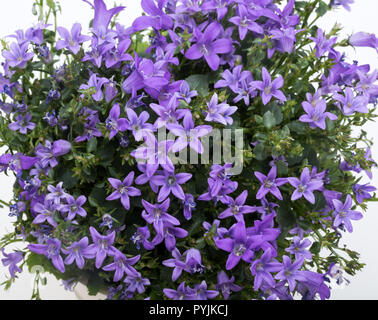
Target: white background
<point>363,17</point>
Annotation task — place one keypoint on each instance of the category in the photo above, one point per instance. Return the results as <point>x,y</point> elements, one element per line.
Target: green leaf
<point>200,83</point>
<point>269,120</point>
<point>66,176</point>
<point>285,216</point>
<point>95,284</point>
<point>297,127</point>
<point>260,152</point>
<point>92,145</point>
<point>320,201</point>
<point>322,8</point>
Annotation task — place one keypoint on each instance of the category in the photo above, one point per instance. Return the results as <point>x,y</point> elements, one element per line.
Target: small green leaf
<point>200,83</point>
<point>269,120</point>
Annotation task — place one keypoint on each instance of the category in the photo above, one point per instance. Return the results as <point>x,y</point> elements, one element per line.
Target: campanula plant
<point>102,196</point>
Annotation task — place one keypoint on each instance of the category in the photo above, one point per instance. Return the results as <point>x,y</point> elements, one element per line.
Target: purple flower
<point>46,212</point>
<point>363,39</point>
<point>202,292</point>
<point>268,87</point>
<point>10,260</point>
<point>22,124</point>
<point>154,153</point>
<point>188,134</point>
<point>56,194</point>
<point>262,268</point>
<point>351,104</point>
<point>182,293</point>
<point>122,265</point>
<point>156,17</point>
<point>298,248</point>
<point>18,55</point>
<point>51,250</point>
<point>220,6</point>
<point>226,285</point>
<point>362,191</point>
<point>239,245</point>
<point>157,215</point>
<point>344,3</point>
<point>184,93</point>
<point>189,206</point>
<point>245,22</point>
<point>103,16</point>
<point>219,112</point>
<point>237,208</point>
<point>214,230</point>
<point>315,116</point>
<point>177,263</point>
<point>290,272</point>
<point>208,47</point>
<point>96,84</point>
<point>233,79</point>
<point>141,236</point>
<point>74,207</point>
<point>114,123</point>
<point>123,190</point>
<point>323,44</point>
<point>343,214</point>
<point>77,252</point>
<point>270,184</point>
<point>138,124</point>
<point>171,182</point>
<point>71,41</point>
<point>136,283</point>
<point>305,186</point>
<point>48,153</point>
<point>101,246</point>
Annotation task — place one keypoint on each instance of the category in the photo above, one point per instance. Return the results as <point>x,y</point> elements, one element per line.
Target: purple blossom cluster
<point>141,95</point>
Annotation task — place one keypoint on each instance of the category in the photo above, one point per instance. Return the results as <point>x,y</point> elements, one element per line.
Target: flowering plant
<point>103,193</point>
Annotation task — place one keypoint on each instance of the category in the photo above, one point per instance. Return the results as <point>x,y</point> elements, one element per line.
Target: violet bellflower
<point>305,186</point>
<point>46,212</point>
<point>77,252</point>
<point>182,293</point>
<point>208,46</point>
<point>171,182</point>
<point>188,134</point>
<point>239,246</point>
<point>101,246</point>
<point>97,84</point>
<point>138,124</point>
<point>51,250</point>
<point>237,208</point>
<point>74,207</point>
<point>48,153</point>
<point>245,22</point>
<point>323,44</point>
<point>350,104</point>
<point>10,260</point>
<point>203,293</point>
<point>226,285</point>
<point>71,40</point>
<point>290,272</point>
<point>122,265</point>
<point>263,268</point>
<point>315,116</point>
<point>362,191</point>
<point>18,55</point>
<point>124,190</point>
<point>220,113</point>
<point>343,214</point>
<point>156,17</point>
<point>114,123</point>
<point>298,248</point>
<point>103,16</point>
<point>136,283</point>
<point>22,124</point>
<point>141,236</point>
<point>157,215</point>
<point>268,87</point>
<point>270,184</point>
<point>364,39</point>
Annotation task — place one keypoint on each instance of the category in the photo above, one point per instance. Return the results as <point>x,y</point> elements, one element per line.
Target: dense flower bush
<point>100,198</point>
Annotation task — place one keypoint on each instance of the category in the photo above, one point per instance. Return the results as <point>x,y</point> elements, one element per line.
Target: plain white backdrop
<point>17,15</point>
